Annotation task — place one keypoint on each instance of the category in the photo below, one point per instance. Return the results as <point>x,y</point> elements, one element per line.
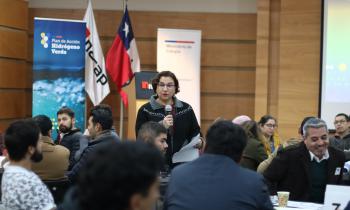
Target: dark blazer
<point>290,171</point>
<point>104,137</point>
<point>215,182</point>
<point>343,144</point>
<point>71,141</point>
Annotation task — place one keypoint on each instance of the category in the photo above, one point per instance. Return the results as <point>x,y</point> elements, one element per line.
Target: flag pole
<point>121,115</point>
<point>121,118</point>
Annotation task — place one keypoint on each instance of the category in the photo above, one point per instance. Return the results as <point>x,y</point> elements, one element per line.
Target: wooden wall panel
<point>268,46</point>
<point>28,103</point>
<point>4,123</point>
<point>228,54</point>
<point>206,124</point>
<point>13,43</point>
<point>290,71</point>
<point>274,59</point>
<point>262,58</point>
<point>14,74</point>
<point>113,100</point>
<point>12,104</point>
<point>228,81</point>
<point>14,13</point>
<point>226,106</point>
<point>214,25</point>
<point>299,60</point>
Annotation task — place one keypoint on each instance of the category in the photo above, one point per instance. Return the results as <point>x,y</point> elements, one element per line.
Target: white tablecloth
<point>301,205</point>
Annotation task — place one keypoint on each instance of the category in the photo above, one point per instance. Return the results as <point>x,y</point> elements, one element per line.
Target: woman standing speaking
<point>176,116</point>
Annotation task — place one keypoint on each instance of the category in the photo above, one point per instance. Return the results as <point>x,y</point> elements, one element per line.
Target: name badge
<point>337,171</point>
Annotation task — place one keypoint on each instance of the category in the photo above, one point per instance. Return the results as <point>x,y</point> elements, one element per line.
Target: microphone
<point>168,109</point>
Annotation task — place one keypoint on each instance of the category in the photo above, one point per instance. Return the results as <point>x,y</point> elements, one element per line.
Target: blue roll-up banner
<point>58,68</point>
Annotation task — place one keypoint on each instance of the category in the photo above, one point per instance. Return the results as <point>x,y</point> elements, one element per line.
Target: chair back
<point>58,188</point>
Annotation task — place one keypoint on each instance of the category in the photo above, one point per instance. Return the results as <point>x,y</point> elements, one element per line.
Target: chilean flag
<point>122,59</point>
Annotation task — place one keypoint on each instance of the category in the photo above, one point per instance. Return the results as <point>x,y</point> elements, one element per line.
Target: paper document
<point>347,165</point>
<point>304,205</point>
<point>188,152</point>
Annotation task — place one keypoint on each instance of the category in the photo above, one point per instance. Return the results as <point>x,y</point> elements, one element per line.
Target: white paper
<point>304,205</point>
<point>347,165</point>
<point>336,195</point>
<point>188,152</point>
<point>295,205</point>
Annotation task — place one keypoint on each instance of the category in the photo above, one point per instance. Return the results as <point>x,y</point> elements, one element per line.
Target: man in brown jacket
<point>55,157</point>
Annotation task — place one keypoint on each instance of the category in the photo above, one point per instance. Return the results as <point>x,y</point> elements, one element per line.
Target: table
<point>301,205</point>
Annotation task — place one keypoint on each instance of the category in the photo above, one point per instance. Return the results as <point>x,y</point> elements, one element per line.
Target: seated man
<point>215,180</point>
<point>341,139</point>
<point>100,130</point>
<point>69,136</point>
<point>21,188</point>
<point>155,134</point>
<point>55,157</point>
<point>120,176</point>
<point>287,143</point>
<point>305,170</point>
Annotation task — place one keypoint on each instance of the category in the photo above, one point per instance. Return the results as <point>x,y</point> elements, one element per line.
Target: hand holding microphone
<point>168,120</point>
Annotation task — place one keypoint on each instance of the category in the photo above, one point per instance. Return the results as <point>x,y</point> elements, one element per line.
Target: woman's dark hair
<point>156,79</point>
<point>252,130</point>
<point>263,120</point>
<point>115,172</point>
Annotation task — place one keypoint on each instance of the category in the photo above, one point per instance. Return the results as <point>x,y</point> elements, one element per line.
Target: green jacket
<point>253,154</point>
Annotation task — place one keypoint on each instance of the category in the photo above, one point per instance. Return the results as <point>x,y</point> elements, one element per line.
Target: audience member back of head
<point>21,188</point>
<point>215,180</point>
<point>124,177</point>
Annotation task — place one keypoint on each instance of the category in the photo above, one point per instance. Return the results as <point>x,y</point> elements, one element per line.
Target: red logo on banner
<point>144,85</point>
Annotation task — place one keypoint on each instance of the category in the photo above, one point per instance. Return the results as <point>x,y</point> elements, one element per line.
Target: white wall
<point>222,6</point>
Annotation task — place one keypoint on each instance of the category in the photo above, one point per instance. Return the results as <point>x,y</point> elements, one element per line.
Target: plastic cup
<point>283,197</point>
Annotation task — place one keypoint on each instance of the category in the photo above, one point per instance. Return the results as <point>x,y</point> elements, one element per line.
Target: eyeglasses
<point>162,85</point>
<point>339,122</point>
<point>271,125</point>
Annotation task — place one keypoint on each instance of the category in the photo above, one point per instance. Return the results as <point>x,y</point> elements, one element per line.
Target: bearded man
<point>70,136</point>
<point>21,187</point>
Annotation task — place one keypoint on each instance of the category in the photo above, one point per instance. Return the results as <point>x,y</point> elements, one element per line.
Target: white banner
<point>96,82</point>
<point>179,51</point>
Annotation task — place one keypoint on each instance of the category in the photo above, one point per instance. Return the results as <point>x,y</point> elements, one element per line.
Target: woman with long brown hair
<point>256,150</point>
